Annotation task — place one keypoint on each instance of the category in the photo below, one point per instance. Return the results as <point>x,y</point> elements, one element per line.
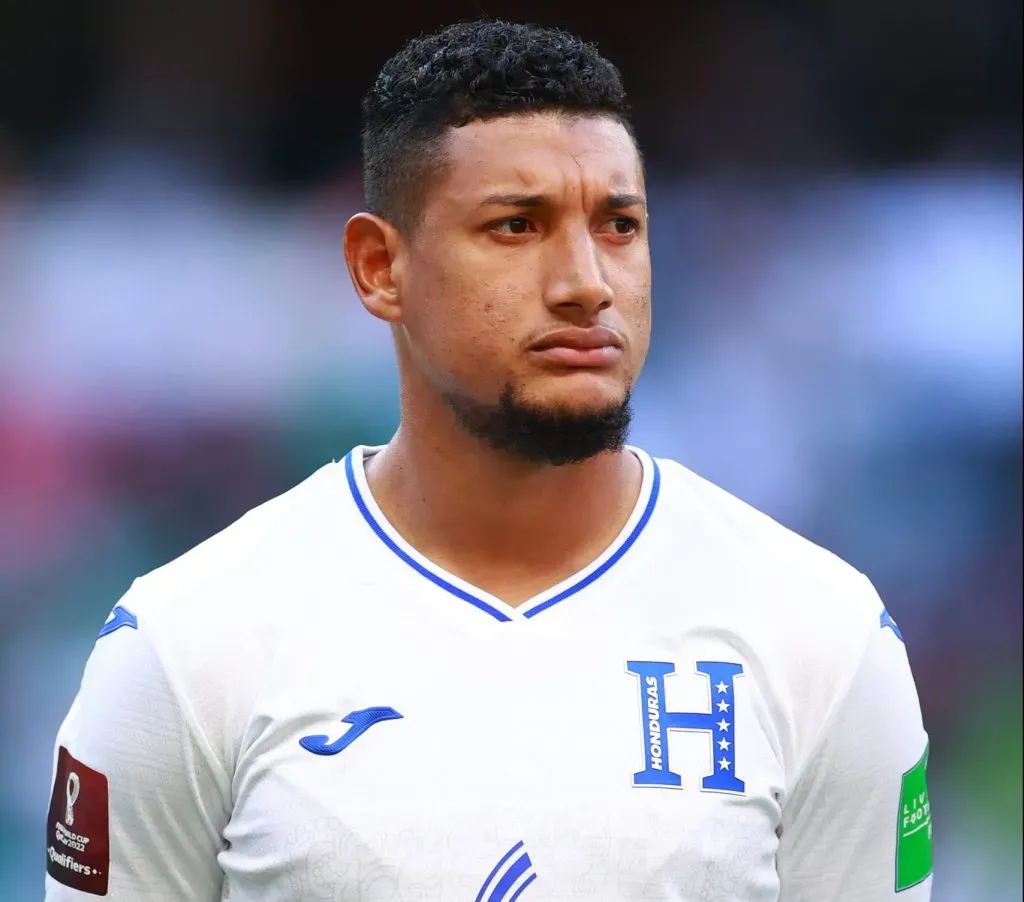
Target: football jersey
<point>303,707</point>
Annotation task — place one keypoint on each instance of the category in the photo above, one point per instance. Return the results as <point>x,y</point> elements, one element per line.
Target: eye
<point>517,225</point>
<point>625,225</point>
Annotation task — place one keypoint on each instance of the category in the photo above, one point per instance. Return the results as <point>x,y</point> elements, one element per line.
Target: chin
<point>578,396</point>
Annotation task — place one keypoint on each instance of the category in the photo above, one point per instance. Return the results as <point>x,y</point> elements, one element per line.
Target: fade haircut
<point>467,72</point>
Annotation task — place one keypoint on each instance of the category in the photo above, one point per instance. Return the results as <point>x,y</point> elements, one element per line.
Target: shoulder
<point>241,571</point>
<point>211,620</point>
<point>792,595</point>
<point>807,618</point>
<point>772,554</point>
<point>218,608</point>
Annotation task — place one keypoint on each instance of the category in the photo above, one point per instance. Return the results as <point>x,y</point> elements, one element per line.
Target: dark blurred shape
<point>268,91</point>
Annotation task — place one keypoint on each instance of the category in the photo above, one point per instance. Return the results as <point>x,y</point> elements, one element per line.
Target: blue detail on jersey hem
<point>519,891</point>
<point>497,868</point>
<point>520,867</point>
<point>443,583</point>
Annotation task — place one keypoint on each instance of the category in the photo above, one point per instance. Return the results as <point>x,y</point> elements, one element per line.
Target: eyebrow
<point>611,202</point>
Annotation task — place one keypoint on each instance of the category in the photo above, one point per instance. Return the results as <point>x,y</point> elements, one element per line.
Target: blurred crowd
<point>836,233</point>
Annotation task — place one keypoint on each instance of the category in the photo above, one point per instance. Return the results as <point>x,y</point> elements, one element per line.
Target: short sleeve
<point>139,798</point>
<point>857,827</point>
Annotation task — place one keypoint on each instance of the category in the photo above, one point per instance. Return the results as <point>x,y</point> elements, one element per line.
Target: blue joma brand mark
<point>360,722</point>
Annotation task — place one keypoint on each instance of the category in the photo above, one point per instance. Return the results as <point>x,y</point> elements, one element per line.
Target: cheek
<point>634,306</point>
<point>643,323</point>
<point>465,327</point>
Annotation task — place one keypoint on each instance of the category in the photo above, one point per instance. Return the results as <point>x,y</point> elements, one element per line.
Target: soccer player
<point>507,655</point>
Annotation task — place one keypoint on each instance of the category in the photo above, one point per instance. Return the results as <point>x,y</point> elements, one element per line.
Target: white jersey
<point>305,708</point>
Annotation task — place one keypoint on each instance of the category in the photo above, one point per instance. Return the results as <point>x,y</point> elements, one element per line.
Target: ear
<point>373,250</point>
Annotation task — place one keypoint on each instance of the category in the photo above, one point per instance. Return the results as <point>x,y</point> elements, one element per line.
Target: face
<point>527,283</point>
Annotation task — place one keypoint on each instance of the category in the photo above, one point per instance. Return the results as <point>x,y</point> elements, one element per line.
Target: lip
<point>580,358</point>
<point>594,348</point>
<point>592,339</point>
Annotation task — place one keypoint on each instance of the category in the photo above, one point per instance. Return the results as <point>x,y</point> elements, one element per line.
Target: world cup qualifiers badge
<point>77,827</point>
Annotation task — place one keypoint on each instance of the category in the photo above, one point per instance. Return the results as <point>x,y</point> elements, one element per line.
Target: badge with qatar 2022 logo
<point>77,827</point>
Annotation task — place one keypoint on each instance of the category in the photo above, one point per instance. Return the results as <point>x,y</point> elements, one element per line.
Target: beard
<point>543,436</point>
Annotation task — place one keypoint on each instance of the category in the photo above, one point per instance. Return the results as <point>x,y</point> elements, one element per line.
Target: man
<point>507,654</point>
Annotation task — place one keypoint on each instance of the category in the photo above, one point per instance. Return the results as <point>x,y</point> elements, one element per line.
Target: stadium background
<point>836,209</point>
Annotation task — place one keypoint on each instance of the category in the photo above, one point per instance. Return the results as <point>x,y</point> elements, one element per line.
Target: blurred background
<point>836,223</point>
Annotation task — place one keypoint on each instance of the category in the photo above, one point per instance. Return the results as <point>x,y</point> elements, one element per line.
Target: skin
<point>518,238</point>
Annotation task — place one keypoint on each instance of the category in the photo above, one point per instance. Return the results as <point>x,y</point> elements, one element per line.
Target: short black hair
<point>466,72</point>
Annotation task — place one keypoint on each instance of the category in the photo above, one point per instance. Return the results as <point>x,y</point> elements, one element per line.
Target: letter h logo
<point>719,723</point>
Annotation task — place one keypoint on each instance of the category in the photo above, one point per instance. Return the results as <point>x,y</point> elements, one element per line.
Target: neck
<point>478,512</point>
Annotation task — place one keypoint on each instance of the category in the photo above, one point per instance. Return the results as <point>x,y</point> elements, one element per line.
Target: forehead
<point>546,153</point>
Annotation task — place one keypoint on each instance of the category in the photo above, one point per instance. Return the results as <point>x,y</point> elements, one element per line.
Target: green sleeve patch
<point>914,828</point>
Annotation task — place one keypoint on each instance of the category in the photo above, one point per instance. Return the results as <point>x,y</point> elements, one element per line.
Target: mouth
<point>594,348</point>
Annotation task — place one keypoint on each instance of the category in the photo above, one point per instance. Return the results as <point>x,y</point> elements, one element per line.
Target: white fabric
<point>517,726</point>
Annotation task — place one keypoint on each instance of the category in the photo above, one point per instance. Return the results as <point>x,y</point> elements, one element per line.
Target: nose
<point>576,282</point>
